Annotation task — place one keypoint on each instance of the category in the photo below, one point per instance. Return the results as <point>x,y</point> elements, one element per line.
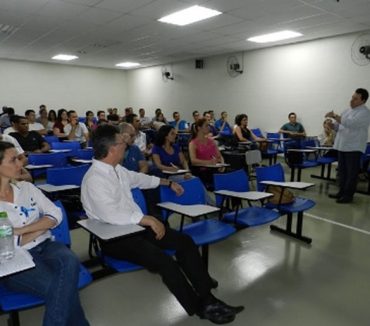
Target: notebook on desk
<point>21,261</point>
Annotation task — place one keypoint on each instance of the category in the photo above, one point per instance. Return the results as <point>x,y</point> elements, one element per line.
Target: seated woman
<point>55,276</point>
<point>60,123</point>
<point>243,134</point>
<point>159,121</point>
<point>327,137</point>
<point>167,155</point>
<point>204,151</point>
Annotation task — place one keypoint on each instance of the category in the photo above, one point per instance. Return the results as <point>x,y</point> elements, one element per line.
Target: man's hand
<point>178,189</point>
<point>157,227</point>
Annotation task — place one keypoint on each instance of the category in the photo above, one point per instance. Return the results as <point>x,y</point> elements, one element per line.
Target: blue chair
<point>203,232</point>
<point>257,132</point>
<point>54,159</point>
<point>276,143</point>
<point>72,145</point>
<point>51,139</point>
<point>69,175</point>
<point>271,151</point>
<point>84,154</point>
<point>249,216</point>
<point>299,206</point>
<point>12,302</point>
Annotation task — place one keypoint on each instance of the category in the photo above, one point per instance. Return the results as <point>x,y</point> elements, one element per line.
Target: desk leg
<point>299,174</point>
<point>14,318</point>
<point>292,172</point>
<point>288,231</point>
<point>205,254</point>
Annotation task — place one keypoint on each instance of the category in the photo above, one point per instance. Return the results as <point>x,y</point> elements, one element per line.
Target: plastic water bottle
<point>6,238</point>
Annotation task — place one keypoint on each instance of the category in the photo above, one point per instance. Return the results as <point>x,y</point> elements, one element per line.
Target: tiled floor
<point>279,280</point>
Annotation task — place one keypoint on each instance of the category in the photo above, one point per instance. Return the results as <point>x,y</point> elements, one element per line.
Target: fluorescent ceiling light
<point>65,57</point>
<point>189,15</point>
<point>128,64</point>
<point>273,37</point>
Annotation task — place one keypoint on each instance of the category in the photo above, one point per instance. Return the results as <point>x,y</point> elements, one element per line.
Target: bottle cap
<point>3,215</point>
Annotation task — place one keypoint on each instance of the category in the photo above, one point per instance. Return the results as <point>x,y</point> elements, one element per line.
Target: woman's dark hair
<point>162,134</point>
<point>239,118</point>
<point>102,139</point>
<point>198,124</point>
<point>89,112</point>
<point>52,113</point>
<point>3,147</point>
<point>60,112</point>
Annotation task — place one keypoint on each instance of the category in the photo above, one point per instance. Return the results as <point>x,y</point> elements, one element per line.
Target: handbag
<point>280,195</point>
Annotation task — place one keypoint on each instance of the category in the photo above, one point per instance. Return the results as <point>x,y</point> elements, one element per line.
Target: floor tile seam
<point>350,227</point>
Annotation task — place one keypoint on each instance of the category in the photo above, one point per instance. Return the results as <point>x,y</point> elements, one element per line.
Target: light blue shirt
<point>352,132</point>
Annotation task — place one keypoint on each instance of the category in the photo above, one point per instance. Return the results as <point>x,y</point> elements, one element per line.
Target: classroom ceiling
<point>105,32</point>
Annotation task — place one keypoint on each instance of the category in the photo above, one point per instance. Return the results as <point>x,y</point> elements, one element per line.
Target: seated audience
<point>55,277</point>
<point>30,141</point>
<point>128,111</point>
<point>101,117</point>
<point>213,132</point>
<point>32,124</point>
<point>75,130</point>
<point>44,120</point>
<point>10,129</point>
<point>133,159</point>
<point>242,132</point>
<point>223,126</point>
<point>145,122</point>
<point>52,117</point>
<point>167,155</point>
<point>159,121</point>
<point>203,151</point>
<point>178,124</point>
<point>293,130</point>
<point>5,117</point>
<point>140,139</point>
<point>90,122</point>
<point>112,202</point>
<point>60,123</point>
<point>196,116</point>
<point>327,137</point>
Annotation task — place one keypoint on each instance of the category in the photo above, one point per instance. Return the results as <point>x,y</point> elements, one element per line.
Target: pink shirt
<point>205,151</point>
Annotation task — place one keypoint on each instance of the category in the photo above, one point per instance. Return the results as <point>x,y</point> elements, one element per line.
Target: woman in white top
<point>55,276</point>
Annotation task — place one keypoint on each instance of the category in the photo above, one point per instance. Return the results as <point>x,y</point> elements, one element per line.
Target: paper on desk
<point>21,261</point>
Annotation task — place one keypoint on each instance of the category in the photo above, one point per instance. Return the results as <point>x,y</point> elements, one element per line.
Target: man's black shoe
<point>234,309</point>
<point>335,196</point>
<point>217,314</point>
<point>344,200</point>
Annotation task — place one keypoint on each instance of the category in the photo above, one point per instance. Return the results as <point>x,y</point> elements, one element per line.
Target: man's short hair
<point>70,112</point>
<point>364,94</point>
<point>103,138</point>
<point>10,111</point>
<point>125,127</point>
<point>173,114</point>
<point>17,118</point>
<point>42,106</point>
<point>99,112</point>
<point>130,118</point>
<point>290,114</point>
<point>195,112</point>
<point>28,112</point>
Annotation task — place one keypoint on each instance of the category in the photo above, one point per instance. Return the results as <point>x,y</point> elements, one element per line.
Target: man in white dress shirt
<point>75,130</point>
<point>352,133</point>
<point>106,196</point>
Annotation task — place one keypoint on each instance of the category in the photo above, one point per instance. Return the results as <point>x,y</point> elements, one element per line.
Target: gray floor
<point>279,280</point>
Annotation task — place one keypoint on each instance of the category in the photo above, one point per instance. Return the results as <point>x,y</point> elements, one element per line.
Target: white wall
<point>308,78</point>
<point>26,85</point>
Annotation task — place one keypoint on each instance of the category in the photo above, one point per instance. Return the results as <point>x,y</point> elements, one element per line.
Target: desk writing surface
<point>301,150</point>
<point>80,160</point>
<point>52,188</point>
<point>248,195</point>
<point>322,148</point>
<point>179,171</point>
<point>105,231</point>
<point>217,165</point>
<point>21,261</point>
<point>189,210</point>
<point>60,150</point>
<point>35,167</point>
<point>293,185</point>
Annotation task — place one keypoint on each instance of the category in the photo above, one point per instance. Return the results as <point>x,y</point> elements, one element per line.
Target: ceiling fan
<point>233,66</point>
<point>360,51</point>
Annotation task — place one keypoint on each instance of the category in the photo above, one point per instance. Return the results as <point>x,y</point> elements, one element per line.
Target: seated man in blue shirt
<point>223,126</point>
<point>293,130</point>
<point>178,124</point>
<point>133,159</point>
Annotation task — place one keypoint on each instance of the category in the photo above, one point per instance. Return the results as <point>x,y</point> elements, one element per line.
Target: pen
<point>174,166</point>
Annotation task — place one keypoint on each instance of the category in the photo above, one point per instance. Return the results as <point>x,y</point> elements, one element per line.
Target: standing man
<point>350,142</point>
<point>112,202</point>
<point>293,130</point>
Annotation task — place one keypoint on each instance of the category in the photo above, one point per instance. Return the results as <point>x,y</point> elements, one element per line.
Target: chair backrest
<point>272,173</point>
<point>61,232</point>
<point>51,139</point>
<point>233,181</point>
<point>253,157</point>
<point>257,132</point>
<point>194,193</point>
<point>55,159</point>
<point>139,199</point>
<point>71,175</point>
<point>84,154</point>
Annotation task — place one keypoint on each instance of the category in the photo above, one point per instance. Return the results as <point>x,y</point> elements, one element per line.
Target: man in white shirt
<point>75,130</point>
<point>352,132</point>
<point>145,122</point>
<point>32,124</point>
<point>106,196</point>
<point>140,139</point>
